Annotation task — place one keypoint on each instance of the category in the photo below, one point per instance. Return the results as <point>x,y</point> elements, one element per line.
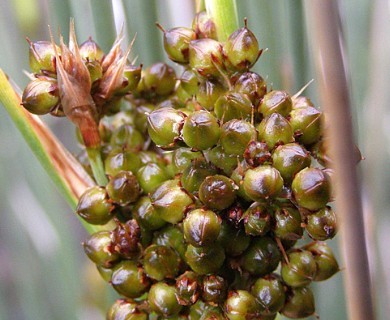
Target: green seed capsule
<point>205,57</point>
<point>235,136</point>
<point>238,177</point>
<point>257,220</point>
<point>241,305</point>
<point>302,101</point>
<point>131,79</point>
<point>42,56</point>
<point>208,93</point>
<point>222,160</point>
<point>275,130</point>
<point>205,260</point>
<point>123,188</point>
<point>289,159</point>
<point>170,201</point>
<point>204,26</point>
<point>201,130</point>
<point>214,289</point>
<point>263,183</point>
<point>146,216</point>
<point>234,241</point>
<point>125,310</point>
<point>164,126</point>
<point>288,224</point>
<point>151,176</point>
<point>307,124</point>
<point>159,79</point>
<point>94,206</point>
<point>213,313</point>
<point>97,248</point>
<point>276,101</point>
<point>217,192</point>
<point>252,85</point>
<point>299,303</point>
<point>256,154</point>
<point>325,260</point>
<point>198,310</point>
<point>121,160</point>
<point>300,270</point>
<point>195,173</point>
<point>40,96</point>
<point>173,237</point>
<point>262,256</point>
<point>176,43</point>
<point>322,225</point>
<point>241,49</point>
<point>189,82</point>
<point>126,239</point>
<point>234,105</point>
<point>129,280</point>
<point>201,227</point>
<point>90,51</point>
<point>106,273</point>
<point>162,299</point>
<point>160,262</point>
<point>269,294</point>
<point>127,137</point>
<point>182,158</point>
<point>187,288</point>
<point>311,188</point>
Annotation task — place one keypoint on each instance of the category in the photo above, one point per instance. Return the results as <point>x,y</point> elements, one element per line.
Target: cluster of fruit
<point>212,180</point>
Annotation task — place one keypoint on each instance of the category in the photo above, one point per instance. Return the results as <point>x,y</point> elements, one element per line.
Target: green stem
<point>66,172</point>
<point>224,14</point>
<point>96,162</point>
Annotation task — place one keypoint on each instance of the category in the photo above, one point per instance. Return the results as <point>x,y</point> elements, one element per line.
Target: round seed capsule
<point>131,79</point>
<point>322,225</point>
<point>189,82</point>
<point>146,216</point>
<point>289,159</point>
<point>306,123</point>
<point>125,310</point>
<point>205,260</point>
<point>176,43</point>
<point>234,241</point>
<point>214,313</point>
<point>94,206</point>
<point>257,220</point>
<point>160,262</point>
<point>164,126</point>
<point>126,239</point>
<point>201,130</point>
<point>274,130</point>
<point>171,236</point>
<point>214,289</point>
<point>121,160</point>
<point>262,256</point>
<point>276,101</point>
<point>162,299</point>
<point>325,260</point>
<point>97,248</point>
<point>90,50</point>
<point>123,188</point>
<point>182,158</point>
<point>251,84</point>
<point>129,280</point>
<point>40,96</point>
<point>204,26</point>
<point>187,288</point>
<point>256,154</point>
<point>198,310</point>
<point>208,93</point>
<point>42,56</point>
<point>311,188</point>
<point>159,79</point>
<point>170,201</point>
<point>263,183</point>
<point>151,176</point>
<point>201,227</point>
<point>269,294</point>
<point>195,173</point>
<point>222,160</point>
<point>300,270</point>
<point>241,49</point>
<point>241,305</point>
<point>233,105</point>
<point>127,137</point>
<point>217,192</point>
<point>302,101</point>
<point>235,136</point>
<point>299,303</point>
<point>288,224</point>
<point>205,56</point>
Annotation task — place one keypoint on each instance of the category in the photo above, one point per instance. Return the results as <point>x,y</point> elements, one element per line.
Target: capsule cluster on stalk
<point>213,179</point>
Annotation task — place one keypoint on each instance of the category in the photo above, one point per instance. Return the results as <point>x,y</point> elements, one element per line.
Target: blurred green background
<point>43,271</point>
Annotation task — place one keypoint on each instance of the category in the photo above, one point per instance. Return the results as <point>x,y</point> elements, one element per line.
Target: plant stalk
<point>326,41</point>
<point>66,172</point>
<point>224,15</point>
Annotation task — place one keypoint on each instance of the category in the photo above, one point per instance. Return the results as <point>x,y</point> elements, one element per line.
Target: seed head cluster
<point>216,181</point>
